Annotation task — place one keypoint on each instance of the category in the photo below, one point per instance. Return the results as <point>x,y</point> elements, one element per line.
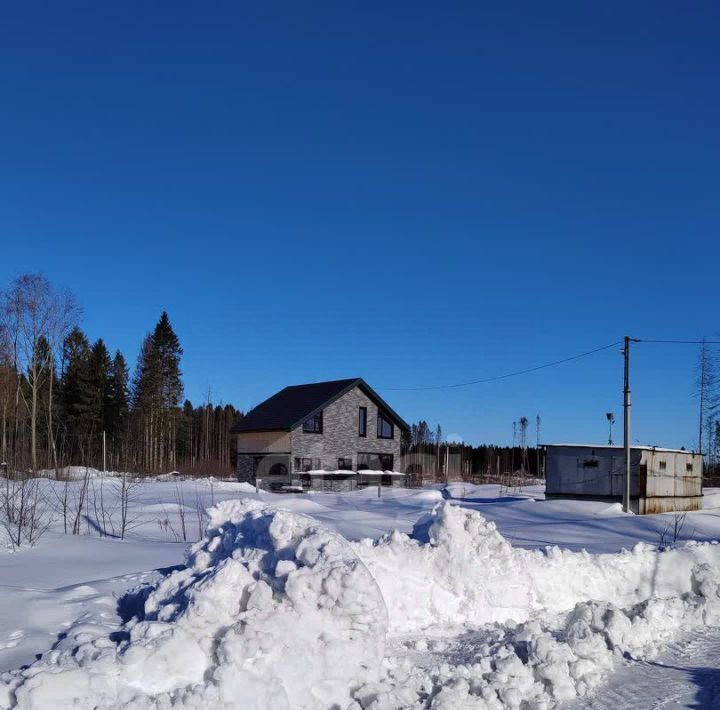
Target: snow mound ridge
<point>456,569</point>
<point>272,611</point>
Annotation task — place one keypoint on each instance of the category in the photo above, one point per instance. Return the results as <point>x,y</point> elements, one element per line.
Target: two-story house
<point>343,425</point>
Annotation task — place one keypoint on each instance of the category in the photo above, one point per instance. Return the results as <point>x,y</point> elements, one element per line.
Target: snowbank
<point>456,569</point>
<point>275,611</point>
<point>272,610</point>
<point>567,616</point>
<point>73,473</point>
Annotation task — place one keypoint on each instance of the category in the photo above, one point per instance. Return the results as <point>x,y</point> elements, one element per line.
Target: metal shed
<point>661,480</point>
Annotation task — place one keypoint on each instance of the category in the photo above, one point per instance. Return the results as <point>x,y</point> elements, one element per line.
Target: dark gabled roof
<point>293,405</point>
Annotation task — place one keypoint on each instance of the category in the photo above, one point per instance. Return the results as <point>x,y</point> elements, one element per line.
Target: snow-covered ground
<point>418,598</point>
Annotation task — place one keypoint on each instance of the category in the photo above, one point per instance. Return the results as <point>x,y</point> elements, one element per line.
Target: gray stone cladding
<point>246,469</point>
<point>340,438</point>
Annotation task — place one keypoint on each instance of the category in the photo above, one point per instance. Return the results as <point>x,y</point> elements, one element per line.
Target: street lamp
<point>611,420</point>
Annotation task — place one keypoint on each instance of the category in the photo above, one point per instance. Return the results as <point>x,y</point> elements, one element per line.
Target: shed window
<point>688,468</point>
<point>314,424</point>
<point>591,463</point>
<point>385,428</point>
<point>662,465</point>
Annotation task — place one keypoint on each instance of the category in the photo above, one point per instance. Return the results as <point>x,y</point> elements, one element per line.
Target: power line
<point>508,374</point>
<point>679,342</point>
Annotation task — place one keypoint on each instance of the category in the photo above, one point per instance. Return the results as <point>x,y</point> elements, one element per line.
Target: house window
<point>662,465</point>
<point>345,464</point>
<point>313,425</point>
<point>385,428</point>
<point>688,468</point>
<point>591,463</point>
<point>305,465</point>
<point>375,462</point>
<point>362,421</point>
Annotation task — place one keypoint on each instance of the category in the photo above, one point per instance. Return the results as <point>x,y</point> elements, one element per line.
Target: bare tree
<point>180,501</point>
<point>200,514</point>
<point>80,501</point>
<point>105,507</point>
<point>33,312</point>
<point>707,393</point>
<point>127,489</point>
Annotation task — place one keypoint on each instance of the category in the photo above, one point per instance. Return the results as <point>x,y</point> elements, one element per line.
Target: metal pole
<point>104,456</point>
<point>626,425</point>
<point>702,395</point>
<point>537,447</point>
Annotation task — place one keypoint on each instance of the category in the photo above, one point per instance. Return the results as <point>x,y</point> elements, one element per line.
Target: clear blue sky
<point>413,193</point>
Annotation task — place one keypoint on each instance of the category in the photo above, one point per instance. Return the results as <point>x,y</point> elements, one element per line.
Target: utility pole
<point>626,422</point>
<point>703,357</point>
<point>104,456</point>
<point>537,446</point>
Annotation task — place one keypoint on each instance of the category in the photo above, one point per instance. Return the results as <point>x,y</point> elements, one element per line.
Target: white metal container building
<point>661,480</point>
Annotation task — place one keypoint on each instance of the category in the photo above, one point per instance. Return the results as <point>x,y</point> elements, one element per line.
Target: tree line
<point>67,401</point>
<point>426,452</point>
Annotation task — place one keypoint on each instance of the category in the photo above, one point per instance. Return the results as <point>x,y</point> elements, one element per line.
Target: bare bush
<point>24,512</point>
<point>672,531</point>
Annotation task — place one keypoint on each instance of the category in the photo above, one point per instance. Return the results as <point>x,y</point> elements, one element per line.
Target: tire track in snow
<point>687,675</point>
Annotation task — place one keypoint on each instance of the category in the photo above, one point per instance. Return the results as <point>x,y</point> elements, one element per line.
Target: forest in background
<point>65,400</point>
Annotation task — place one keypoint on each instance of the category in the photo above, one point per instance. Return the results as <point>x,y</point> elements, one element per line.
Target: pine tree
<point>74,387</point>
<point>157,393</point>
<point>118,414</point>
<point>98,394</point>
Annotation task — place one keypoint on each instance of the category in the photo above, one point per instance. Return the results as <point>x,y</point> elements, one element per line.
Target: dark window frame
<point>383,418</point>
<point>316,420</point>
<point>301,466</point>
<point>362,422</point>
<point>380,455</point>
<point>345,463</point>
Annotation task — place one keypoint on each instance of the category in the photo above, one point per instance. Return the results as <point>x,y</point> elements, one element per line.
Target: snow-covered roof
<point>641,447</point>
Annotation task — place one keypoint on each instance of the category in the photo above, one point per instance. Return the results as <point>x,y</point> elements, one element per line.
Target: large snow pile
<point>272,611</point>
<point>457,569</point>
<point>275,611</point>
<point>566,616</point>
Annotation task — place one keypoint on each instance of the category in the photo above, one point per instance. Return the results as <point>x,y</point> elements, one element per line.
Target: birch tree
<point>33,311</point>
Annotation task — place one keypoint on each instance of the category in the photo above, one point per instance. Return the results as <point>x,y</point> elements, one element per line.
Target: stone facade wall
<point>246,469</point>
<point>340,434</point>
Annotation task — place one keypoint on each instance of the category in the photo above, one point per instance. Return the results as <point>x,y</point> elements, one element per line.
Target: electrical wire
<point>508,374</point>
<point>517,373</point>
<point>679,342</point>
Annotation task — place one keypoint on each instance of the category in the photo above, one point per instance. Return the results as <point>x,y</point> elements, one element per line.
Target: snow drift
<point>457,569</point>
<point>274,610</point>
<point>531,628</point>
